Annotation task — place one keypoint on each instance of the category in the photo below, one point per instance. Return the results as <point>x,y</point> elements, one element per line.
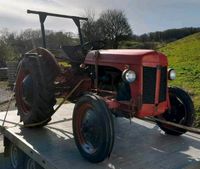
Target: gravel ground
<point>5,94</point>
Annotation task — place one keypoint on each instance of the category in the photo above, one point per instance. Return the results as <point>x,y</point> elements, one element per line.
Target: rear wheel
<point>34,89</point>
<point>93,128</point>
<point>182,112</point>
<point>17,157</point>
<point>31,164</point>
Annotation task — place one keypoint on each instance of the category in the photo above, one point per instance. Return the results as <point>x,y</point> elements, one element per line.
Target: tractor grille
<point>149,84</point>
<point>163,84</point>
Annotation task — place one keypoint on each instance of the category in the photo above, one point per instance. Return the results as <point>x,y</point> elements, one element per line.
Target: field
<point>184,56</point>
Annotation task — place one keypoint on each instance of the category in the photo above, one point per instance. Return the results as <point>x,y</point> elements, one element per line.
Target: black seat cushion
<point>73,53</point>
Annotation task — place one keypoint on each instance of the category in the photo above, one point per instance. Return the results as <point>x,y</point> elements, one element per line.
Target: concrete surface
<point>139,145</point>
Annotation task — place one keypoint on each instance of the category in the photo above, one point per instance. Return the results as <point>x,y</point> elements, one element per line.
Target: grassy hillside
<point>184,56</point>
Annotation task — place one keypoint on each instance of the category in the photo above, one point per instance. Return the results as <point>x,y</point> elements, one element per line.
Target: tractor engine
<point>110,79</point>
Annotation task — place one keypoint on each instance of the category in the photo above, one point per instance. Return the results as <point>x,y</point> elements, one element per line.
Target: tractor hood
<point>125,56</point>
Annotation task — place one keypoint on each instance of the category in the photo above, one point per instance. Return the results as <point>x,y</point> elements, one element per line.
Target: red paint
<point>158,75</point>
<point>135,59</point>
<point>22,106</point>
<point>112,104</point>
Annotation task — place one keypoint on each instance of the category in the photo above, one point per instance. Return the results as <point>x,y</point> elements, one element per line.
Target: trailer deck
<point>139,145</point>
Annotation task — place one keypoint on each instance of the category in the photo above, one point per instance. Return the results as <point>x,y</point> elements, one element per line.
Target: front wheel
<point>93,128</point>
<point>182,112</point>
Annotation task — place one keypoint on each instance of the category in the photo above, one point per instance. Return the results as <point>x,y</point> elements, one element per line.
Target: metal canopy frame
<point>43,16</point>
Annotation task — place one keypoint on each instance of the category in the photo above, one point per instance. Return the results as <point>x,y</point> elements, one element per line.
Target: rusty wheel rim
<point>177,114</point>
<point>89,129</point>
<point>23,106</point>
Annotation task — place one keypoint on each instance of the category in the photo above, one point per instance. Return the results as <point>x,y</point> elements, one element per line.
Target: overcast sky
<point>143,15</point>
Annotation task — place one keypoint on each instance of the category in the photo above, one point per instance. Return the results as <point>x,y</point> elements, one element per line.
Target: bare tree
<point>114,26</point>
<point>90,28</point>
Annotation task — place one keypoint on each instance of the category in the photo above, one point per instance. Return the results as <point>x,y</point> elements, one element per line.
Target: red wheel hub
<point>22,105</point>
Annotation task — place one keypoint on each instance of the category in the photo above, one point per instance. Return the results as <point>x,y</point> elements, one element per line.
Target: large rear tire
<point>93,128</point>
<point>182,112</point>
<point>34,89</point>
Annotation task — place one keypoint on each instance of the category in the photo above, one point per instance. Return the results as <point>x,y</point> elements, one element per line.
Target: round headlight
<point>129,76</point>
<point>172,74</point>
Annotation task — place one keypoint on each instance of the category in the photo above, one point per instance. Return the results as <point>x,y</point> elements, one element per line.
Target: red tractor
<point>101,83</point>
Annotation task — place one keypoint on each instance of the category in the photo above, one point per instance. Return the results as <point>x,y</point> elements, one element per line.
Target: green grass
<point>184,56</point>
<point>130,44</point>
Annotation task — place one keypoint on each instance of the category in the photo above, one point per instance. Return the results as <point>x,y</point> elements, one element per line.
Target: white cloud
<point>143,15</point>
<point>13,14</point>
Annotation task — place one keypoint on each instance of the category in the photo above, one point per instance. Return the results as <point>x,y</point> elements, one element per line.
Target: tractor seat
<point>73,53</point>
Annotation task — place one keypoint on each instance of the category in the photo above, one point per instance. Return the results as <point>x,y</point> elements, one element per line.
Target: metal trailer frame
<point>12,138</point>
<point>32,142</point>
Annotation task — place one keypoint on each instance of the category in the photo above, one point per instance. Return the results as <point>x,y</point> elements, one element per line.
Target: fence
<point>12,67</point>
<point>7,80</point>
<point>3,73</point>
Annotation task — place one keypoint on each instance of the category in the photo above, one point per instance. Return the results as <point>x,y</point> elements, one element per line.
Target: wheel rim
<point>30,164</point>
<point>89,130</point>
<point>178,110</point>
<point>14,156</point>
<point>27,89</point>
<point>177,114</point>
<point>23,91</point>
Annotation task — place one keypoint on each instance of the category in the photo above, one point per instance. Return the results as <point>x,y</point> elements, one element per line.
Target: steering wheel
<point>93,45</point>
